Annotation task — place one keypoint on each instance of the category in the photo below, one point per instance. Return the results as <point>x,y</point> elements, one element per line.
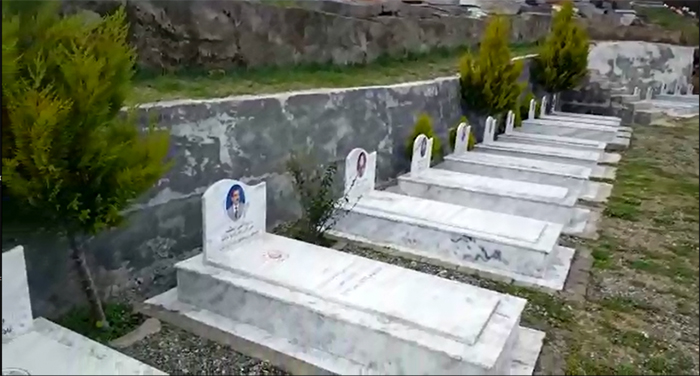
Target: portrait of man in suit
<point>423,146</point>
<point>361,164</point>
<point>235,202</point>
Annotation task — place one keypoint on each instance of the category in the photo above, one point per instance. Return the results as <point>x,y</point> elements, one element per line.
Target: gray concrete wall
<point>629,64</point>
<point>248,138</point>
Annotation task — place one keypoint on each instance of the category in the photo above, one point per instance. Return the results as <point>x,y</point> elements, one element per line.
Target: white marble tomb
<point>576,116</point>
<point>579,118</point>
<point>512,134</point>
<point>315,310</point>
<point>573,128</point>
<point>538,201</point>
<point>497,245</point>
<point>576,179</point>
<point>586,158</point>
<point>61,351</point>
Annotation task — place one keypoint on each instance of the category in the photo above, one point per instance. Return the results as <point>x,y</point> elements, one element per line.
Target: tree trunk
<point>87,283</point>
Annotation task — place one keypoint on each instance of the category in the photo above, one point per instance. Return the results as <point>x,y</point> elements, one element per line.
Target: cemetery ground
<point>219,83</point>
<point>631,302</point>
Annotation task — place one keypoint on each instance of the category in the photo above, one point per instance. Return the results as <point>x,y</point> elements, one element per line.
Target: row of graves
<point>498,210</point>
<point>676,99</point>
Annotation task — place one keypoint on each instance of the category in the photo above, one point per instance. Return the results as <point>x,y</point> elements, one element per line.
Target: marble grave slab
<point>587,158</point>
<point>315,310</point>
<point>494,244</point>
<point>548,203</point>
<point>60,351</point>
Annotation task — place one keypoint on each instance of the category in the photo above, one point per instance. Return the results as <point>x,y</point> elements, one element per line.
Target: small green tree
<point>319,200</point>
<point>489,80</point>
<point>71,162</point>
<point>562,60</point>
<point>424,125</point>
<point>452,135</point>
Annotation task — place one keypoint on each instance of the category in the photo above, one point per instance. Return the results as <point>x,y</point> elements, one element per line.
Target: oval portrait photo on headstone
<point>235,202</point>
<point>361,164</point>
<point>423,146</point>
<point>464,133</point>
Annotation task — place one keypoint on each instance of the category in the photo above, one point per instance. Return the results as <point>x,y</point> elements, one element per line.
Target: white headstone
<point>677,88</point>
<point>422,151</point>
<point>462,139</point>
<point>664,88</point>
<point>555,102</point>
<point>531,110</point>
<point>360,171</point>
<point>233,212</point>
<point>636,92</point>
<point>16,306</point>
<point>510,122</point>
<point>489,130</point>
<point>689,91</point>
<point>650,93</point>
<point>543,106</point>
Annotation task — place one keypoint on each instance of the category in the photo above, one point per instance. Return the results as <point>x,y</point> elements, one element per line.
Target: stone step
<point>583,119</point>
<point>586,158</point>
<point>346,314</point>
<point>508,246</point>
<point>531,200</point>
<point>549,140</point>
<point>575,115</point>
<point>576,130</point>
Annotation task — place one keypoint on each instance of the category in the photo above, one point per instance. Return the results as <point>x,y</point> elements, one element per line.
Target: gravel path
<point>177,352</point>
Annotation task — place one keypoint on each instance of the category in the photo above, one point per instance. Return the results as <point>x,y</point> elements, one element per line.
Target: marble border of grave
<point>511,134</point>
<point>556,112</point>
<point>587,158</point>
<point>311,309</point>
<point>62,351</point>
<point>612,121</point>
<point>523,199</point>
<point>573,177</point>
<point>496,245</point>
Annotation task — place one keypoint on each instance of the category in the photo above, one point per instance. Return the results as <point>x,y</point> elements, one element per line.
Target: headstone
<point>650,93</point>
<point>422,150</point>
<point>510,122</point>
<point>531,110</point>
<point>233,213</point>
<point>489,130</point>
<point>690,89</point>
<point>664,88</point>
<point>16,305</point>
<point>360,170</point>
<point>462,139</point>
<point>636,92</point>
<point>555,102</point>
<point>677,88</point>
<point>543,107</point>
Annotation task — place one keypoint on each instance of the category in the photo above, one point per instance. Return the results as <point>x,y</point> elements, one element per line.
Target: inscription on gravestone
<point>233,212</point>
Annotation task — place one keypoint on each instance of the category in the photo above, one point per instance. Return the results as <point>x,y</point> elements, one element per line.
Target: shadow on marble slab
<point>291,357</point>
<point>551,282</point>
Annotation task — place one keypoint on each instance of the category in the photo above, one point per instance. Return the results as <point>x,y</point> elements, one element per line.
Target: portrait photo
<point>361,164</point>
<point>423,146</point>
<point>235,202</point>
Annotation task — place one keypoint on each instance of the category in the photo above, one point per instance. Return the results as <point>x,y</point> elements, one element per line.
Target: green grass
<point>150,87</point>
<point>644,281</point>
<point>672,21</point>
<point>122,320</point>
